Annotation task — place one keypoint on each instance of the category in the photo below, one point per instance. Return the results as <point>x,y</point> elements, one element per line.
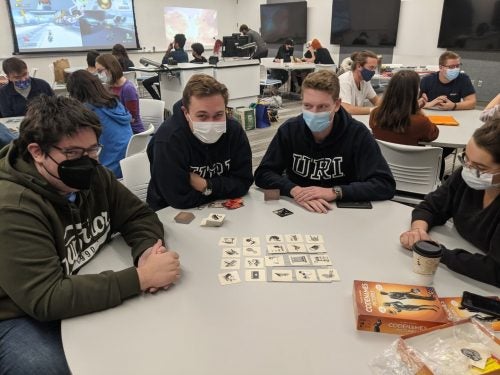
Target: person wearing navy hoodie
<point>21,89</point>
<point>114,117</point>
<point>199,155</point>
<point>324,154</point>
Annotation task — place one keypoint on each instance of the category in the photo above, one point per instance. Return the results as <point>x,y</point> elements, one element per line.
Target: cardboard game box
<point>396,308</point>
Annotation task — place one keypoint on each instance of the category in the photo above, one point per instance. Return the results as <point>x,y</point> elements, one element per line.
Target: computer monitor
<point>230,44</point>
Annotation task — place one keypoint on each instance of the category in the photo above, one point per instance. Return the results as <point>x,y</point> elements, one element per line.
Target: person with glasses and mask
<point>355,86</point>
<point>199,154</point>
<point>21,88</point>
<point>471,197</point>
<point>448,89</point>
<point>324,155</point>
<point>59,208</point>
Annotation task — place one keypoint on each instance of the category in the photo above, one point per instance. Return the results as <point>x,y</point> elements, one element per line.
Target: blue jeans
<point>28,346</point>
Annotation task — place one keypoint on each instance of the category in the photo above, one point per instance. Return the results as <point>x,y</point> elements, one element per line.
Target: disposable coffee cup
<point>426,258</point>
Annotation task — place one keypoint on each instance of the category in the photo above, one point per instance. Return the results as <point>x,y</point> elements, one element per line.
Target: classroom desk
<point>241,77</point>
<point>289,67</point>
<point>12,123</point>
<point>201,327</point>
<point>73,69</point>
<point>449,136</point>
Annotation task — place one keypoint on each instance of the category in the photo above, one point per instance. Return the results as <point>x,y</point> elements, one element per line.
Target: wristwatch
<point>208,189</point>
<point>338,192</point>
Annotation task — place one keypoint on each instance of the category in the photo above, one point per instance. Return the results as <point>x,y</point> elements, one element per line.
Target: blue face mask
<point>367,74</point>
<point>316,121</point>
<point>451,74</point>
<point>24,84</point>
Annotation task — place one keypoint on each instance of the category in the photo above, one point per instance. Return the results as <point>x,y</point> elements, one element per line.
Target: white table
<point>12,123</point>
<point>201,327</point>
<point>73,69</point>
<point>449,136</point>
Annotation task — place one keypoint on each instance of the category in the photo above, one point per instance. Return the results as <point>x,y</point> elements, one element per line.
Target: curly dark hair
<point>49,119</point>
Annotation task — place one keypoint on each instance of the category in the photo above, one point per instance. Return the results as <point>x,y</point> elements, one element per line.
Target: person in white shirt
<point>355,85</point>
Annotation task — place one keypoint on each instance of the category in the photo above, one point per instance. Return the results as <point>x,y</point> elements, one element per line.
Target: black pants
<point>149,84</point>
<point>260,55</point>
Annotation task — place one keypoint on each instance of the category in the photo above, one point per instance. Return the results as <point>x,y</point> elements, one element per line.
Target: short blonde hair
<point>203,85</point>
<point>448,55</point>
<point>323,80</point>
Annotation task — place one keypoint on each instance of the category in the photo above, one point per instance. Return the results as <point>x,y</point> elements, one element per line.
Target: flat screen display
<point>72,25</point>
<point>279,22</point>
<point>470,25</point>
<point>198,25</point>
<point>369,23</point>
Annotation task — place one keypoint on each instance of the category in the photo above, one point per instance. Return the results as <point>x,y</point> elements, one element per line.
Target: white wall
<point>418,32</point>
<point>150,28</point>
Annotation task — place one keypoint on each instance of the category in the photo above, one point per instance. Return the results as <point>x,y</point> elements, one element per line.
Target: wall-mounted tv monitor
<point>198,25</point>
<point>365,23</point>
<point>470,25</point>
<point>279,22</point>
<point>68,25</point>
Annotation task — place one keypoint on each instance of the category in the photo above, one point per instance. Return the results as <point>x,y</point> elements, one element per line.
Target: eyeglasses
<point>464,160</point>
<point>452,66</point>
<point>78,152</point>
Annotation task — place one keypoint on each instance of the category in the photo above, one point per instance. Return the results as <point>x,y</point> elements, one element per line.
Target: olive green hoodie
<point>45,239</point>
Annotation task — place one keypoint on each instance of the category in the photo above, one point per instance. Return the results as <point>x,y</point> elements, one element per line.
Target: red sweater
<point>421,129</point>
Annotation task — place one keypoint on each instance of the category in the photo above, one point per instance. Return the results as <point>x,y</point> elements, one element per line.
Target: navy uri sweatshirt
<point>349,157</point>
<point>174,152</point>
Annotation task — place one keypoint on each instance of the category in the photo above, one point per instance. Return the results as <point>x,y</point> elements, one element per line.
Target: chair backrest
<point>152,112</point>
<point>131,76</point>
<point>138,142</point>
<point>415,168</point>
<point>136,174</point>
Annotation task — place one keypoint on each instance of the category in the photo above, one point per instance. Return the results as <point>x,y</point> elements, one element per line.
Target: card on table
<point>227,241</point>
<point>282,212</point>
<point>230,264</point>
<point>254,262</point>
<point>281,275</point>
<point>255,275</point>
<point>292,238</point>
<point>184,217</point>
<point>216,204</point>
<point>316,248</point>
<point>299,260</point>
<point>228,278</point>
<point>306,275</point>
<point>328,275</point>
<point>274,261</point>
<point>231,252</point>
<point>271,194</point>
<point>274,238</point>
<point>251,241</point>
<point>296,248</point>
<point>320,260</point>
<point>276,249</point>
<point>314,238</point>
<point>251,251</point>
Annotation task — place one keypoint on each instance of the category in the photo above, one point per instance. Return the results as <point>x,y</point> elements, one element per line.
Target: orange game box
<point>396,308</point>
<point>455,312</point>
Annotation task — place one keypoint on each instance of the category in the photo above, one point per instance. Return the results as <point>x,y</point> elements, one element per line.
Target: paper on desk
<point>443,120</point>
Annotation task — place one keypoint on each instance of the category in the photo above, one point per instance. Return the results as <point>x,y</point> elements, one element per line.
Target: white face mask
<point>208,131</point>
<point>483,182</point>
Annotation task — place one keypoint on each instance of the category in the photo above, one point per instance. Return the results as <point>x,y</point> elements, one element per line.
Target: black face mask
<point>76,173</point>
